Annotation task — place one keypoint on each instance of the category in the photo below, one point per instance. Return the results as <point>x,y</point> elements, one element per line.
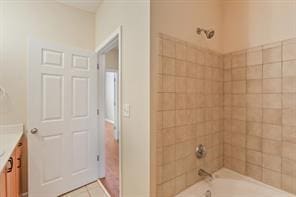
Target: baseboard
<point>110,121</point>
<point>24,194</point>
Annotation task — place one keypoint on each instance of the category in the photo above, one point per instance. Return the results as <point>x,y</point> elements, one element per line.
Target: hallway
<point>111,180</point>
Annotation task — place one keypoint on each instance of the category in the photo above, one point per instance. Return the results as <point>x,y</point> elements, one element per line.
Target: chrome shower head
<point>209,33</point>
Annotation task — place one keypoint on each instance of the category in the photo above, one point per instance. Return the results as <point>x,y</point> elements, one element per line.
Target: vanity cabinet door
<point>11,176</point>
<point>3,184</point>
<point>18,163</point>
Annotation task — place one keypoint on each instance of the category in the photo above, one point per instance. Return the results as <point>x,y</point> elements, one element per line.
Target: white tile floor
<point>91,190</point>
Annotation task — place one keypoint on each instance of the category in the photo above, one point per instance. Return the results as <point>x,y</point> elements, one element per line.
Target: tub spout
<point>204,173</point>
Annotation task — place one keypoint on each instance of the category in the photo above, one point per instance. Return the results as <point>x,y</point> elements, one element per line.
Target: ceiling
<point>87,5</point>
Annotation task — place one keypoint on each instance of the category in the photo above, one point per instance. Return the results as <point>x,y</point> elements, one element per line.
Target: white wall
<point>250,23</point>
<point>49,21</point>
<point>109,96</point>
<point>134,18</point>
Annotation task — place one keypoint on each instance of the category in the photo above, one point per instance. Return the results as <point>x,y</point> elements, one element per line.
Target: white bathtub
<point>231,184</point>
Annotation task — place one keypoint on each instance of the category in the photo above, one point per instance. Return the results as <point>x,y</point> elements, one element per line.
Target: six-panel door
<point>62,109</point>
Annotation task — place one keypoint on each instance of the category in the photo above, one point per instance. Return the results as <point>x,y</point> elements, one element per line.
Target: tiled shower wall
<point>260,113</point>
<point>188,112</point>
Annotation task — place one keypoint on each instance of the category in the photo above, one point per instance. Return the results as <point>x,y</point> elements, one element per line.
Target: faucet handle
<point>200,151</point>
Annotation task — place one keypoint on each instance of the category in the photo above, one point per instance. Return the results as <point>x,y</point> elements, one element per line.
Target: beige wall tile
<point>200,57</point>
<point>238,140</point>
<point>289,134</point>
<point>271,178</point>
<point>238,74</point>
<point>239,87</point>
<point>200,71</point>
<point>289,50</point>
<point>238,100</point>
<point>289,151</point>
<point>272,147</point>
<point>273,116</point>
<point>254,72</point>
<point>180,183</point>
<point>191,177</point>
<point>238,126</point>
<point>239,152</point>
<point>289,69</point>
<point>239,113</point>
<point>169,136</point>
<point>180,50</point>
<point>254,128</point>
<point>168,188</point>
<point>227,87</point>
<point>254,86</point>
<point>184,133</point>
<point>272,101</point>
<point>254,114</point>
<point>272,54</point>
<point>238,166</point>
<point>254,57</point>
<point>180,68</point>
<point>289,117</point>
<point>254,100</point>
<point>239,60</point>
<point>289,167</point>
<point>272,162</point>
<point>271,131</point>
<point>168,101</point>
<point>254,171</point>
<point>227,60</point>
<point>180,84</point>
<point>169,119</point>
<point>190,54</point>
<point>289,183</point>
<point>272,86</point>
<point>254,143</point>
<point>180,100</point>
<point>273,70</point>
<point>183,149</point>
<point>289,100</point>
<point>227,100</point>
<point>168,66</point>
<point>168,171</point>
<point>227,75</point>
<point>254,157</point>
<point>169,84</point>
<point>169,48</point>
<point>169,154</point>
<point>191,69</point>
<point>180,167</point>
<point>289,84</point>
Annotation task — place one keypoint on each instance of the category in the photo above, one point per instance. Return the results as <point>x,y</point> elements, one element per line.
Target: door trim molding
<point>113,38</point>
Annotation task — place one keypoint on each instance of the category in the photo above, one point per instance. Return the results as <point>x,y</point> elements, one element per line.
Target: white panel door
<point>62,129</point>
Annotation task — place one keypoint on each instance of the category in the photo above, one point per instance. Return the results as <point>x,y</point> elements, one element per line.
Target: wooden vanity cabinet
<point>3,184</point>
<point>11,176</point>
<point>18,157</point>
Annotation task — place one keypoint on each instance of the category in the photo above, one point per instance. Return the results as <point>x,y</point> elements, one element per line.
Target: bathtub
<point>227,183</point>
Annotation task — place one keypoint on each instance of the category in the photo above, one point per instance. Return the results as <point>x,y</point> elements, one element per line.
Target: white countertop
<point>9,138</point>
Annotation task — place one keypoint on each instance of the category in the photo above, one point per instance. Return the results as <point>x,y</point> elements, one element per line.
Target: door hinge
<point>98,157</point>
<point>98,66</point>
<point>98,112</point>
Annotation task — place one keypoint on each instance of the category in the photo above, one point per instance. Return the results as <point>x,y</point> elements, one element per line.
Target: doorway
<point>109,113</point>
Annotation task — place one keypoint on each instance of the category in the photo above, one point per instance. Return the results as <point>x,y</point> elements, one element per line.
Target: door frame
<point>113,38</point>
